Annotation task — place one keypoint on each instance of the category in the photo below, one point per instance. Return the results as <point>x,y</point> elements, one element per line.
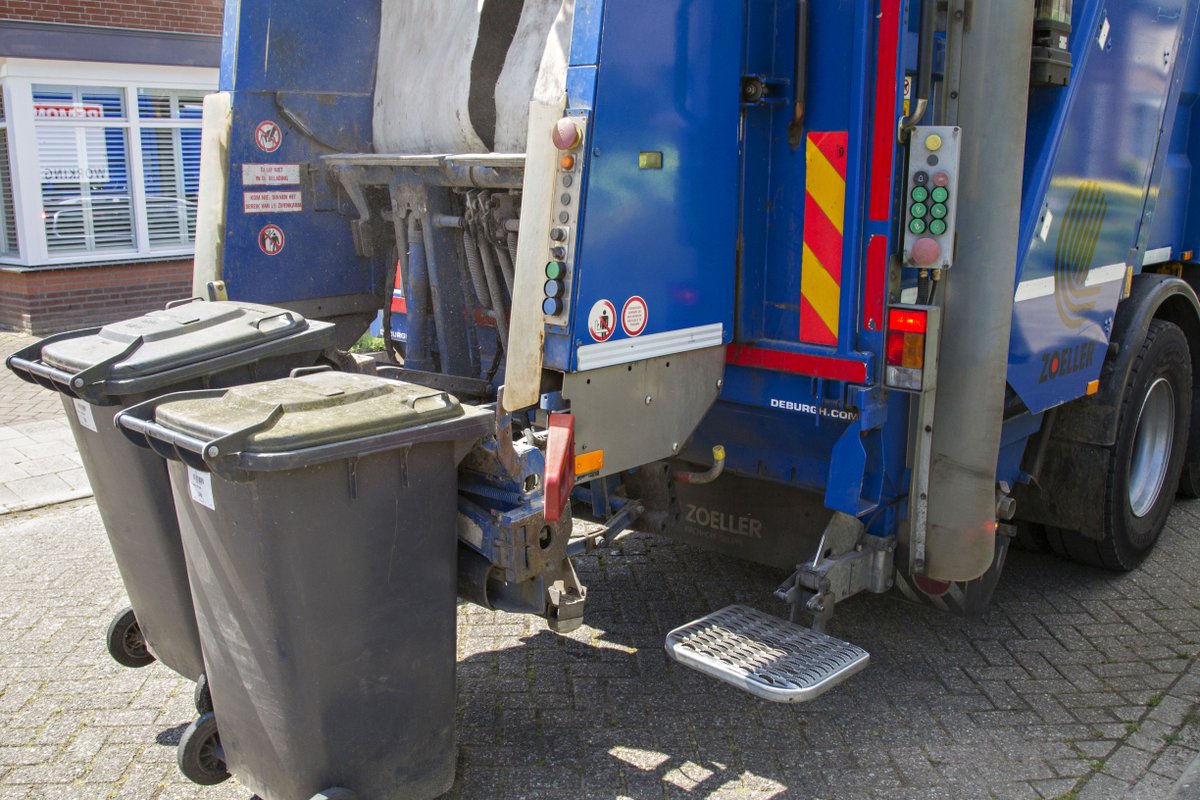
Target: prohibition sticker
<point>634,316</point>
<point>602,322</point>
<point>271,240</point>
<point>267,136</point>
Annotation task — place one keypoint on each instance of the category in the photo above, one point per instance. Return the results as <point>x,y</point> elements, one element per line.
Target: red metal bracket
<point>560,465</point>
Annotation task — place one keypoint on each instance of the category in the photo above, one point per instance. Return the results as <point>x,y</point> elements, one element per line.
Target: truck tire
<point>1147,458</point>
<point>1189,481</point>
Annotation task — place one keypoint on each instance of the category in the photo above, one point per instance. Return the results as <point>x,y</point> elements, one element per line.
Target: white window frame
<point>17,79</point>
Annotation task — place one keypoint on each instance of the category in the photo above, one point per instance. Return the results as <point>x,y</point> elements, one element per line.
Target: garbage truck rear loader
<point>865,290</point>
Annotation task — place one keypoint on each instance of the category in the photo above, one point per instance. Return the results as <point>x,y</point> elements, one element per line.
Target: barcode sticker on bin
<point>200,488</point>
<point>83,412</point>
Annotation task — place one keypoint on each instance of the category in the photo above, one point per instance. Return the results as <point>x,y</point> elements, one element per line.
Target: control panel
<point>931,196</point>
<point>568,136</point>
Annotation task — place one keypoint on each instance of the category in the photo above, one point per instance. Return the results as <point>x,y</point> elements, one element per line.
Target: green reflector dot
<point>919,210</point>
<point>938,211</point>
<point>937,227</point>
<point>917,226</point>
<point>554,270</point>
<point>920,194</point>
<point>941,195</point>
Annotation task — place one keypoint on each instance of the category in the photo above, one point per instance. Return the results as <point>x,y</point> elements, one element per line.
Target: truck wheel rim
<point>1151,447</point>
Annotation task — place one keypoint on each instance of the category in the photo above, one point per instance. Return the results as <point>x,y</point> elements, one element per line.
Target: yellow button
<point>933,143</point>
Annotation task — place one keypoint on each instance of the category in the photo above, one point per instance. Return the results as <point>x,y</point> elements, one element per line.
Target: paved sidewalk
<point>1078,684</point>
<point>39,464</point>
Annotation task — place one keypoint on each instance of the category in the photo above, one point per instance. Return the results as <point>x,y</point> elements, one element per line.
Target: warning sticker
<point>270,174</point>
<point>83,412</point>
<point>634,316</point>
<point>602,322</point>
<point>272,202</point>
<point>267,136</point>
<point>200,488</point>
<point>271,240</point>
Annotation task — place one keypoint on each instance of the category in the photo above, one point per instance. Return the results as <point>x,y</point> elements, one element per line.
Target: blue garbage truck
<point>865,290</point>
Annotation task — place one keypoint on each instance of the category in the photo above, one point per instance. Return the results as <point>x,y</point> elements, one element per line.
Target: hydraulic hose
<point>710,475</point>
<point>494,289</point>
<point>478,281</point>
<point>506,266</point>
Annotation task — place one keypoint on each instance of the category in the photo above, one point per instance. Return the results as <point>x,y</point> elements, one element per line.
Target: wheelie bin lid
<point>299,421</point>
<point>156,350</point>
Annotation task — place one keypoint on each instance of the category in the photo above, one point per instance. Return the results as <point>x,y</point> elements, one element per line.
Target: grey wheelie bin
<point>100,371</point>
<point>318,517</point>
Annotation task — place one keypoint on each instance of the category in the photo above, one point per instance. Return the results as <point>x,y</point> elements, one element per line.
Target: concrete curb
<point>1188,785</point>
<point>77,494</point>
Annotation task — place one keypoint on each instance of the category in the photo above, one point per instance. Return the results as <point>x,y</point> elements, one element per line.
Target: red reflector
<point>907,320</point>
<point>895,349</point>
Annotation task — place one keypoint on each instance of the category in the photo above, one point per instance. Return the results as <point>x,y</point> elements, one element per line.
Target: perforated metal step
<point>767,656</point>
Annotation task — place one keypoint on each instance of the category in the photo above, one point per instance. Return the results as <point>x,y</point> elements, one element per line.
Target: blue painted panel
<point>318,258</point>
<point>669,82</point>
<point>330,46</point>
<point>332,96</point>
<point>585,34</point>
<point>1092,151</point>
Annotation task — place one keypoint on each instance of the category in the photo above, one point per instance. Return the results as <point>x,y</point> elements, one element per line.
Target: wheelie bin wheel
<point>126,644</point>
<point>201,696</point>
<point>337,793</point>
<point>200,756</point>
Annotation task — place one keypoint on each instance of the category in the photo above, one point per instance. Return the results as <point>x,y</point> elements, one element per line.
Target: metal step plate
<point>767,656</point>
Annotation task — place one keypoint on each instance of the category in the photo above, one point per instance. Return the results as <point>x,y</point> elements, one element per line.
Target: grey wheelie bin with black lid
<point>318,514</point>
<point>100,371</point>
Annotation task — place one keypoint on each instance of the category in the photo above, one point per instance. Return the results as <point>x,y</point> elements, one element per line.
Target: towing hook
<point>705,477</point>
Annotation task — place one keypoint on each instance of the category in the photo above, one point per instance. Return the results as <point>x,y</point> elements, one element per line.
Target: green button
<point>920,194</point>
<point>555,270</point>
<point>937,227</point>
<point>941,194</point>
<point>919,210</point>
<point>939,211</point>
<point>917,226</point>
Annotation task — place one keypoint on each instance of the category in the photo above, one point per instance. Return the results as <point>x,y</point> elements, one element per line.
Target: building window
<point>8,219</point>
<point>104,172</point>
<point>83,155</point>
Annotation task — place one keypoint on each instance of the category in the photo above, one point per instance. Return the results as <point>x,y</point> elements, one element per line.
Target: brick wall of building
<point>178,16</point>
<point>50,301</point>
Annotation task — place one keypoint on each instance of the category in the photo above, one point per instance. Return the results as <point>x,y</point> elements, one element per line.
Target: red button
<point>941,179</point>
<point>566,134</point>
<point>926,252</point>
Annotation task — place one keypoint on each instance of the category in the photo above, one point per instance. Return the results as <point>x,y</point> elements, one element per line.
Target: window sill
<point>14,266</point>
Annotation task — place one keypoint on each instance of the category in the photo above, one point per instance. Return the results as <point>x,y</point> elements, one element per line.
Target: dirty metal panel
<point>645,411</point>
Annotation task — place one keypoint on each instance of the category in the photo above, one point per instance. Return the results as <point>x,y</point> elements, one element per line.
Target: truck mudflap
<point>969,599</point>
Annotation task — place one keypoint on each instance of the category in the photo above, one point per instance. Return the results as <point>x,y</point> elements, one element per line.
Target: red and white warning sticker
<point>267,136</point>
<point>272,202</point>
<point>634,316</point>
<point>270,174</point>
<point>271,240</point>
<point>602,322</point>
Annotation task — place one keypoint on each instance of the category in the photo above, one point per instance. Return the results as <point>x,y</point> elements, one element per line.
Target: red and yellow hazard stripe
<point>824,219</point>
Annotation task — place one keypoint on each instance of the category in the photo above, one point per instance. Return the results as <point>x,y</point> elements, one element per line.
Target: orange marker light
<point>566,163</point>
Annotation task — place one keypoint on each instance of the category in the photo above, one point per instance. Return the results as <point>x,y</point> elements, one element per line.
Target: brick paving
<point>39,463</point>
<point>1077,684</point>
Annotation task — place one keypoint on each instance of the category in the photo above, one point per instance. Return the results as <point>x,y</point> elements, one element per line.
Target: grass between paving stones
<point>1097,765</point>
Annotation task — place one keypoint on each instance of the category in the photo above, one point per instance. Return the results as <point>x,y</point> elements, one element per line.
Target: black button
<point>921,178</point>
